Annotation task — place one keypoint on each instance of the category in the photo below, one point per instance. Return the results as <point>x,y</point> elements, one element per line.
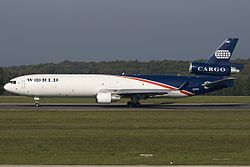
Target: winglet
<point>184,85</point>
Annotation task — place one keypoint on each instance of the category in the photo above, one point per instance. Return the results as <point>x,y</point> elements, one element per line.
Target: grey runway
<point>119,106</point>
<point>124,166</point>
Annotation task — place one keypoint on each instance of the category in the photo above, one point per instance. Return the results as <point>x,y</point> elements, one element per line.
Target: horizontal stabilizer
<point>218,82</point>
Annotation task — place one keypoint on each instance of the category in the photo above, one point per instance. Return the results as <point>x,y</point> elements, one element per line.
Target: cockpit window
<point>13,82</point>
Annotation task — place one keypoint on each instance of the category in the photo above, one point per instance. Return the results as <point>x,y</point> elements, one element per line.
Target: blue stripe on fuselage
<point>195,85</point>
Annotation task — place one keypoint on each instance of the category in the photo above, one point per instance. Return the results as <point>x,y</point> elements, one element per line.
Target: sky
<point>44,31</point>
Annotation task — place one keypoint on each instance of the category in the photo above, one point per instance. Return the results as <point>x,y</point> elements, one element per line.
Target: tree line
<point>172,67</point>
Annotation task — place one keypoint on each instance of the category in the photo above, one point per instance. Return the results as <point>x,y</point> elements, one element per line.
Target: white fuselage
<point>75,85</point>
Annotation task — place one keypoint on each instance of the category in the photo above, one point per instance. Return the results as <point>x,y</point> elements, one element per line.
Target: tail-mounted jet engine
<point>214,69</point>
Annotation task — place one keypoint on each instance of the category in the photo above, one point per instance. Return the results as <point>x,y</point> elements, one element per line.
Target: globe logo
<point>222,54</point>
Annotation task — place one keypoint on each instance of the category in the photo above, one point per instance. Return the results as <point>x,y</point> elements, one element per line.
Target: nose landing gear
<point>36,99</point>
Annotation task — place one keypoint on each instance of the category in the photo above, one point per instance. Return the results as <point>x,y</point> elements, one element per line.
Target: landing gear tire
<point>135,104</point>
<point>130,104</point>
<point>36,99</point>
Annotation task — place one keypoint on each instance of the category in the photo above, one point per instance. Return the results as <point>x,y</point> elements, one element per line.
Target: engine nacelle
<point>212,69</point>
<point>106,97</point>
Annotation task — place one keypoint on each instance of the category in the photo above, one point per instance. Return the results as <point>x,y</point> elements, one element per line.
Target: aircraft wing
<point>128,92</point>
<point>142,91</point>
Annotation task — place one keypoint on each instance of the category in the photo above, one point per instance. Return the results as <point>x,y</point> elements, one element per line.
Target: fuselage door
<point>23,84</point>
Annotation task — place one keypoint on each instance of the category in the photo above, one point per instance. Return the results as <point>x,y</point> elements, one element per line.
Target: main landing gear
<point>36,99</point>
<point>134,102</point>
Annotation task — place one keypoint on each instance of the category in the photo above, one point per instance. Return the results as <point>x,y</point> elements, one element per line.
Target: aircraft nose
<point>7,87</point>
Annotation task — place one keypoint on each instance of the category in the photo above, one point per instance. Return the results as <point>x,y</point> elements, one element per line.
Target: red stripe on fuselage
<point>159,84</point>
<point>186,92</point>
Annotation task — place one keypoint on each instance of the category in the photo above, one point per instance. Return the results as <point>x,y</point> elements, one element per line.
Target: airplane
<point>208,76</point>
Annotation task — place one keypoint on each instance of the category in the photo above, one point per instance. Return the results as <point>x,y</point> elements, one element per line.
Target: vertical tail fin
<point>223,54</point>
